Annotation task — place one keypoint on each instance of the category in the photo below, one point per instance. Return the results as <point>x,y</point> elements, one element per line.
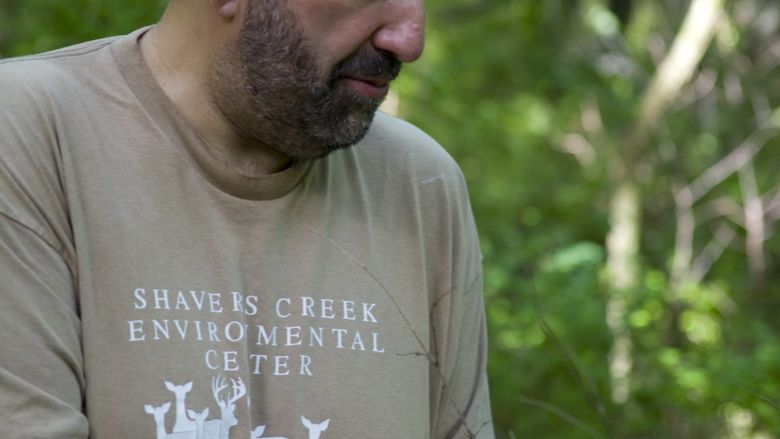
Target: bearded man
<point>207,230</point>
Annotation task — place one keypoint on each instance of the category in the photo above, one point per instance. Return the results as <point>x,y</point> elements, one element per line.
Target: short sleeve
<point>459,379</point>
<point>459,387</point>
<point>41,377</point>
<point>41,362</point>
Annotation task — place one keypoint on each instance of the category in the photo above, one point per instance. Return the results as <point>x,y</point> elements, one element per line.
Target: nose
<point>403,29</point>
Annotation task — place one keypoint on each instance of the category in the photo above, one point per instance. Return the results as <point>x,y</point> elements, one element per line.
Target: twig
<point>771,202</point>
<point>386,291</point>
<point>762,109</point>
<point>677,68</point>
<point>561,414</point>
<point>683,242</point>
<point>754,222</point>
<point>711,252</point>
<point>426,352</point>
<point>722,207</point>
<point>730,164</point>
<point>591,395</point>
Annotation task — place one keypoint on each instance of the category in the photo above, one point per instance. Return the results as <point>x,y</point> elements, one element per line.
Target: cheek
<point>334,29</point>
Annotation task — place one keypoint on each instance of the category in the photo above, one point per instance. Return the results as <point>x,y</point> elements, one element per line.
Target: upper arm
<point>41,367</point>
<point>41,361</point>
<point>459,380</point>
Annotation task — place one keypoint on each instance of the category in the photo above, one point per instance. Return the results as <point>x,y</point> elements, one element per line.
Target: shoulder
<point>38,93</point>
<point>401,148</point>
<point>411,180</point>
<point>405,141</point>
<point>55,63</point>
<point>27,90</point>
<point>27,79</point>
<point>34,92</point>
<point>63,55</point>
<point>399,168</point>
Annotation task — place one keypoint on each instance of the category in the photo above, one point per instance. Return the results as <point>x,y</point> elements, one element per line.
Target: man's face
<point>307,81</point>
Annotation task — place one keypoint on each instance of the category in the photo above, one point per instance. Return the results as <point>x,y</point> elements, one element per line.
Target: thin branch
<point>721,239</point>
<point>762,109</point>
<point>766,399</point>
<point>386,291</point>
<point>578,146</point>
<point>590,116</point>
<point>771,202</point>
<point>591,394</point>
<point>677,68</point>
<point>722,207</point>
<point>700,88</point>
<point>683,242</point>
<point>771,57</point>
<point>433,362</point>
<point>733,162</point>
<point>732,88</point>
<point>754,223</point>
<point>560,413</point>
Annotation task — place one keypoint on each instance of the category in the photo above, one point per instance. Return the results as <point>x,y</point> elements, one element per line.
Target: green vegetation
<point>623,165</point>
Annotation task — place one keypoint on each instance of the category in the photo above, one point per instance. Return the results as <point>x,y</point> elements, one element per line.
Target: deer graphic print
<point>190,424</point>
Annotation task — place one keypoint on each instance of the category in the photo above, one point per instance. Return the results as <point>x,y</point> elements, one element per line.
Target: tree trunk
<point>622,250</point>
<point>623,240</point>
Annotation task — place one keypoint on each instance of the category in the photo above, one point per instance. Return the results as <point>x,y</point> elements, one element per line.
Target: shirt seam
<point>58,249</point>
<point>65,52</point>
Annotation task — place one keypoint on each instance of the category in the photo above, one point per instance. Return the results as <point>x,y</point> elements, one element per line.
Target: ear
<point>169,386</point>
<point>227,9</point>
<point>149,409</point>
<point>188,387</point>
<point>325,424</point>
<point>166,406</point>
<point>306,423</point>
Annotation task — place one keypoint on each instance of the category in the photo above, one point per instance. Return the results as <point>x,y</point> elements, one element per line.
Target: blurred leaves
<point>535,100</point>
<point>32,26</point>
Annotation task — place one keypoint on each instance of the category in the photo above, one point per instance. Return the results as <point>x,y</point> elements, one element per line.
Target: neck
<point>178,53</point>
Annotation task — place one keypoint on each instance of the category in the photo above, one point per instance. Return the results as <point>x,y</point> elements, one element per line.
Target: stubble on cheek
<point>269,87</point>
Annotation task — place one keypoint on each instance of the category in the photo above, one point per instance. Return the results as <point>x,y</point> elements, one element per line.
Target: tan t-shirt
<point>147,290</point>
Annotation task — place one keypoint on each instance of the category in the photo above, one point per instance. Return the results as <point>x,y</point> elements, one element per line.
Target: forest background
<point>623,162</point>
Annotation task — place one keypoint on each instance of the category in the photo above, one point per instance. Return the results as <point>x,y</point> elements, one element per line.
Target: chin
<point>318,142</point>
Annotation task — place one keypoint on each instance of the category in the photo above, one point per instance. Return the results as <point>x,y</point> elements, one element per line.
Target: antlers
<point>219,383</point>
<point>239,390</point>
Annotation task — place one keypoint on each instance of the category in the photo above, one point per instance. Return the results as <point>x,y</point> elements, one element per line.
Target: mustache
<point>368,62</point>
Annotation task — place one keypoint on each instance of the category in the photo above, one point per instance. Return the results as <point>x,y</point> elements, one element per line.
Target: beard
<point>269,88</point>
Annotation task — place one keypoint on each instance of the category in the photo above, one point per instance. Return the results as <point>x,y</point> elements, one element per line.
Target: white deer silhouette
<point>182,422</point>
<point>159,420</point>
<point>200,419</point>
<point>190,424</point>
<point>220,428</point>
<point>315,430</point>
<point>257,433</point>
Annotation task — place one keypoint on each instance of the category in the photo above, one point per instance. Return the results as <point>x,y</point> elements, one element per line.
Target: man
<point>191,246</point>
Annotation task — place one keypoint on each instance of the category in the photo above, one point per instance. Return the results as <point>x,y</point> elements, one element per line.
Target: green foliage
<point>34,26</point>
<point>536,100</point>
